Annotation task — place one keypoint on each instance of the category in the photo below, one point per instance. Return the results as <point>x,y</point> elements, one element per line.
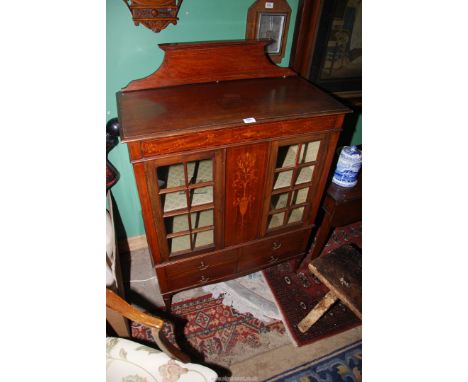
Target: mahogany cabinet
<point>231,154</point>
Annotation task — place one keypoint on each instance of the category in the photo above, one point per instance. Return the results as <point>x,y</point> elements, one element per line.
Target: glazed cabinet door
<point>294,172</point>
<point>186,193</point>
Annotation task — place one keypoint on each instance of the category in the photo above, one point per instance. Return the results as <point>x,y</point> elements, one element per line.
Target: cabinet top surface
<point>181,109</point>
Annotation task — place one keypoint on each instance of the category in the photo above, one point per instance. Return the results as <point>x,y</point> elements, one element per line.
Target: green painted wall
<point>357,135</point>
<point>132,53</point>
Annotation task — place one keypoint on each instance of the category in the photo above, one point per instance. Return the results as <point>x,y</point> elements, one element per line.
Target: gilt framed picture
<point>337,57</point>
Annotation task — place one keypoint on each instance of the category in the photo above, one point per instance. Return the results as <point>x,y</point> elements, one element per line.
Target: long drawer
<point>200,270</point>
<point>225,264</point>
<point>273,250</point>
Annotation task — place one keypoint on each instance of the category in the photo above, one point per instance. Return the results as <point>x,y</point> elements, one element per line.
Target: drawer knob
<point>272,260</point>
<point>276,245</point>
<point>204,279</point>
<point>202,266</point>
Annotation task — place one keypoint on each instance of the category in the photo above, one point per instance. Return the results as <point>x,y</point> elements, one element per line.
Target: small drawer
<point>201,270</point>
<point>272,250</point>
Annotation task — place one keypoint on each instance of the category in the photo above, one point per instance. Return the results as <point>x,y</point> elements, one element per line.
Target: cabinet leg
<point>320,240</point>
<point>168,302</point>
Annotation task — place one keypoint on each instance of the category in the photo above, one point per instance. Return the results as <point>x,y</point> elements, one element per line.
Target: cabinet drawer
<point>273,250</point>
<point>201,270</point>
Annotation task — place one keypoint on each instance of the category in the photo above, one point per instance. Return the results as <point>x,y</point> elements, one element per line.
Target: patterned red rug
<point>297,293</point>
<point>218,332</point>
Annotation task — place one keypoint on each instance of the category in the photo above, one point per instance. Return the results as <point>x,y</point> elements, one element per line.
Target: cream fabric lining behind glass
<point>279,201</point>
<point>176,177</point>
<point>283,179</point>
<point>290,159</point>
<point>178,200</point>
<point>308,153</point>
<point>311,151</point>
<point>275,220</point>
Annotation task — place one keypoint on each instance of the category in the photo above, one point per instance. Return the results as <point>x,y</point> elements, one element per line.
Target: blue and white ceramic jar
<point>348,166</point>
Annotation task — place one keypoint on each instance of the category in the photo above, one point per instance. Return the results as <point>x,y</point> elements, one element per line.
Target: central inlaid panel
<point>245,177</point>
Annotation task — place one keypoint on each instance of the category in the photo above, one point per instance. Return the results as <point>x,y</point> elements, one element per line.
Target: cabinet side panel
<point>134,149</point>
<point>332,140</point>
<point>333,137</point>
<point>245,181</point>
<point>147,212</point>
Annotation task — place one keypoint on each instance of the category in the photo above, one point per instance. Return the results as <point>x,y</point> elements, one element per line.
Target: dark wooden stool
<point>342,206</point>
<point>341,271</point>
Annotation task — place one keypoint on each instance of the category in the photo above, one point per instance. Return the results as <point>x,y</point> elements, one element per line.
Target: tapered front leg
<point>321,238</point>
<point>168,302</point>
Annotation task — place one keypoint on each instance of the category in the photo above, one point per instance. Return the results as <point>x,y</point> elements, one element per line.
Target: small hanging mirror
<point>270,20</point>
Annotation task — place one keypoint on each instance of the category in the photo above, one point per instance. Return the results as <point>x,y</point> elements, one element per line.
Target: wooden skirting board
<point>133,243</point>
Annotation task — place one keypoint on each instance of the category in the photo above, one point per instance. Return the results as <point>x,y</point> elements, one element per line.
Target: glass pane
<point>309,152</point>
<point>279,201</point>
<point>171,176</point>
<point>296,215</point>
<point>202,218</point>
<point>200,171</point>
<point>176,223</point>
<point>286,156</point>
<point>275,220</point>
<point>203,238</point>
<point>173,201</point>
<point>177,244</point>
<point>202,195</point>
<point>305,174</point>
<point>283,179</point>
<point>300,196</point>
<point>271,26</point>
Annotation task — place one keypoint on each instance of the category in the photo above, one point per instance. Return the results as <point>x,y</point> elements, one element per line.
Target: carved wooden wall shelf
<point>154,14</point>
